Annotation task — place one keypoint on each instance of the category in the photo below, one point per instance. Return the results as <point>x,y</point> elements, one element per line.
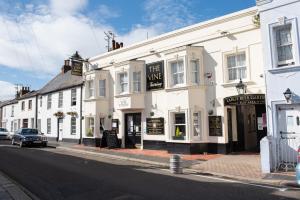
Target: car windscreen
<point>3,130</point>
<point>30,132</point>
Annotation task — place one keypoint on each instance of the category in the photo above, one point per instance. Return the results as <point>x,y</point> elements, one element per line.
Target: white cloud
<point>67,7</point>
<point>106,12</point>
<point>7,90</point>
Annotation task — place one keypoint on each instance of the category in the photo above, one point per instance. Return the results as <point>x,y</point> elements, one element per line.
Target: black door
<point>229,122</point>
<point>132,129</point>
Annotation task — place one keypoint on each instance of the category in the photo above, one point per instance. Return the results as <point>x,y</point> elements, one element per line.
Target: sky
<point>36,36</point>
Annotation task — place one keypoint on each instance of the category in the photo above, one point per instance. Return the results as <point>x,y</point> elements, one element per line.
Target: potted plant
<point>178,134</point>
<point>59,114</point>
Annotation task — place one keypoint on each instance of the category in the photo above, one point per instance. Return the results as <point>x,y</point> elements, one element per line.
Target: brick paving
<point>245,165</point>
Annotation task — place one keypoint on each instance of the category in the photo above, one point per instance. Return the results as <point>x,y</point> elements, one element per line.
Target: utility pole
<point>108,37</point>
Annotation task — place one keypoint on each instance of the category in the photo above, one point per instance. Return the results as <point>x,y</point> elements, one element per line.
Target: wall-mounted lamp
<point>241,87</point>
<point>288,95</point>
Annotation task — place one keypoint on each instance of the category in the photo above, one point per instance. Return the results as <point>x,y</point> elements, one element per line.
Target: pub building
<point>178,91</point>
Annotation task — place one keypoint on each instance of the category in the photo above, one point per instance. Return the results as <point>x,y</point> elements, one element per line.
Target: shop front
<point>249,113</point>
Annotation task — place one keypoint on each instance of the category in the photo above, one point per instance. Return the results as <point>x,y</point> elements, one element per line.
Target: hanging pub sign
<point>155,126</point>
<point>215,126</point>
<point>155,76</point>
<point>76,68</point>
<point>247,99</point>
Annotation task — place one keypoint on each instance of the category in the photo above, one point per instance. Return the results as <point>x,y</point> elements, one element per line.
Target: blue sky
<point>36,35</point>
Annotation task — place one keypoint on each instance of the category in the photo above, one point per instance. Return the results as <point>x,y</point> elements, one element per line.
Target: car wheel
<point>12,142</point>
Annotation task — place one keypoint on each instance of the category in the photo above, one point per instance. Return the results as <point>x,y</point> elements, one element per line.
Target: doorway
<point>133,130</point>
<point>60,129</point>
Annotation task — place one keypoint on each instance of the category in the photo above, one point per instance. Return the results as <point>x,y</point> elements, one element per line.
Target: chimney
<point>117,45</point>
<point>121,44</point>
<point>113,44</point>
<point>23,91</point>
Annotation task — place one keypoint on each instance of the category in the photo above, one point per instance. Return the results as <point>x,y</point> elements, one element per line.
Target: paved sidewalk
<point>10,191</point>
<point>243,167</point>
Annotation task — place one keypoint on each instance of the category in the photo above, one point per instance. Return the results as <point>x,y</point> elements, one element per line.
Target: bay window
<point>102,88</point>
<point>90,127</point>
<point>136,81</point>
<point>123,83</point>
<point>236,66</point>
<point>195,71</point>
<point>284,44</point>
<point>177,72</point>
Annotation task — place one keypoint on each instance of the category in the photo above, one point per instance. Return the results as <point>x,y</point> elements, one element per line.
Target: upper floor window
<point>41,101</point>
<point>49,101</point>
<point>90,88</point>
<point>195,71</point>
<point>23,105</point>
<point>102,88</point>
<point>236,66</point>
<point>60,99</point>
<point>136,81</point>
<point>284,44</point>
<point>73,97</point>
<point>12,111</point>
<point>123,83</point>
<point>177,72</point>
<point>29,104</point>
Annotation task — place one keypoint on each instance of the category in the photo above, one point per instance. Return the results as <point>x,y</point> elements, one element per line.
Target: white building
<point>59,107</point>
<point>20,112</point>
<point>280,35</point>
<point>178,91</point>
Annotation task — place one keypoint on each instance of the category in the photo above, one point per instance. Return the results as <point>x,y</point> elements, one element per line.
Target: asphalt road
<point>49,175</point>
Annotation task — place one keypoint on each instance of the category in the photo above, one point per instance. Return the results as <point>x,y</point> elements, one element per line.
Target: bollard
<point>298,168</point>
<point>175,164</point>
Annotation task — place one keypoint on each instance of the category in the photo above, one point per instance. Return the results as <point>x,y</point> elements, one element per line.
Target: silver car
<point>4,134</point>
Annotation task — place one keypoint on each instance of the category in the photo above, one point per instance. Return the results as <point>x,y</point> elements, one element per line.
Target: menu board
<point>215,126</point>
<point>155,126</point>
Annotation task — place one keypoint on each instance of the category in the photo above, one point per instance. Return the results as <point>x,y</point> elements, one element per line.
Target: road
<point>49,174</point>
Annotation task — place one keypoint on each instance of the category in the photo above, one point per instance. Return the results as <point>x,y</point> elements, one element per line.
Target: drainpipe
<point>80,114</point>
<point>36,111</point>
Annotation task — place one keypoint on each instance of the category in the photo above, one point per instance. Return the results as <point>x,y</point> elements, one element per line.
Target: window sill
<point>234,83</point>
<point>290,68</point>
<point>96,99</point>
<point>129,94</point>
<point>184,87</point>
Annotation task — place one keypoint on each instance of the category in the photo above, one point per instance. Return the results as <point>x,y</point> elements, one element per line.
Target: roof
<point>8,102</point>
<point>62,81</point>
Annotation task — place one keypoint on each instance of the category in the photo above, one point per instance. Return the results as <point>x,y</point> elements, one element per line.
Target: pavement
<point>61,173</point>
<point>11,191</point>
<point>243,167</point>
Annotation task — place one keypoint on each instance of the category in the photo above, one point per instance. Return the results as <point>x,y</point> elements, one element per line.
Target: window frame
<point>90,127</point>
<point>60,99</point>
<point>193,71</point>
<point>91,89</point>
<point>237,68</point>
<point>171,75</point>
<point>199,136</point>
<point>102,88</point>
<point>120,92</point>
<point>12,111</point>
<point>49,101</point>
<point>48,126</point>
<point>173,125</point>
<point>73,126</point>
<point>23,105</point>
<point>73,97</point>
<point>273,44</point>
<point>134,81</point>
<point>30,104</point>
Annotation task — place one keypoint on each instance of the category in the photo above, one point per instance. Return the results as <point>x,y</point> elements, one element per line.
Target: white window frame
<point>193,72</point>
<point>102,88</point>
<point>30,105</point>
<point>91,88</point>
<point>90,126</point>
<point>123,83</point>
<point>295,41</point>
<point>73,125</point>
<point>12,111</point>
<point>60,99</point>
<point>172,125</point>
<point>48,125</point>
<point>236,68</point>
<point>171,75</point>
<point>23,105</point>
<point>49,101</point>
<point>199,135</point>
<point>73,97</point>
<point>138,81</point>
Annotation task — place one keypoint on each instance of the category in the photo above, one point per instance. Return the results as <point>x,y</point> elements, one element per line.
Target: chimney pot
<point>121,44</point>
<point>113,44</point>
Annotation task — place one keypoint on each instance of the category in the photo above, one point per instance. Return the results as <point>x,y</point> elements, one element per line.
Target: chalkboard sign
<point>112,140</point>
<point>215,126</point>
<point>155,76</point>
<point>155,126</point>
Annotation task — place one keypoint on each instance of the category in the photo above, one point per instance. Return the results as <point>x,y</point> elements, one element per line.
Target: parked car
<point>4,134</point>
<point>29,136</point>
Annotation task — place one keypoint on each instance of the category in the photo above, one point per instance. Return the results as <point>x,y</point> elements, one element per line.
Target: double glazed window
<point>179,129</point>
<point>284,44</point>
<point>123,83</point>
<point>136,81</point>
<point>29,104</point>
<point>73,125</point>
<point>73,97</point>
<point>236,65</point>
<point>195,71</point>
<point>48,125</point>
<point>102,88</point>
<point>60,99</point>
<point>177,72</point>
<point>90,88</point>
<point>49,101</point>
